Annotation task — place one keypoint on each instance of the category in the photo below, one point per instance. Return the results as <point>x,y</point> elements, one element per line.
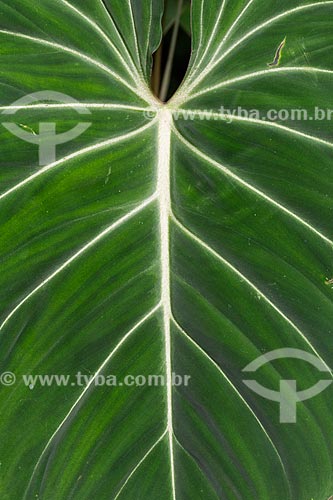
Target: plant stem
<point>168,68</point>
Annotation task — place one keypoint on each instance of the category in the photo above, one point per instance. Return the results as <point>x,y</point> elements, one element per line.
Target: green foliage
<point>160,242</point>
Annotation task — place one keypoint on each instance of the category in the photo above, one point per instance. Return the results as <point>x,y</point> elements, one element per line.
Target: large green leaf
<point>159,242</point>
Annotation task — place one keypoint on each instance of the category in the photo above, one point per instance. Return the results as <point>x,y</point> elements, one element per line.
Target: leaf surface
<point>161,242</point>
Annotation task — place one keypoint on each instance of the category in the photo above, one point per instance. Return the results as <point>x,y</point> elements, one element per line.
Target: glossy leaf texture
<point>161,242</point>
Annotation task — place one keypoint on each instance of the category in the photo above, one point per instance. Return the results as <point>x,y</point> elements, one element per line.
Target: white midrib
<point>163,189</point>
